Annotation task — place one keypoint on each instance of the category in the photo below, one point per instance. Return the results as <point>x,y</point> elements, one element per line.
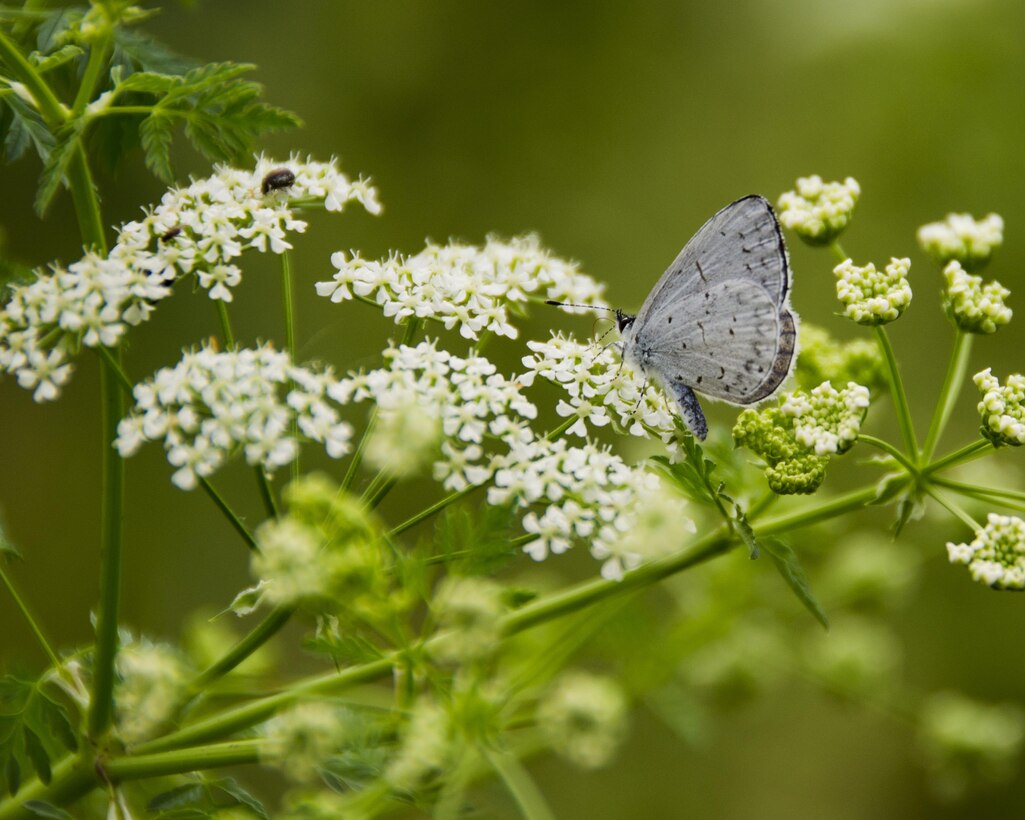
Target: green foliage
<point>34,729</point>
<point>206,798</point>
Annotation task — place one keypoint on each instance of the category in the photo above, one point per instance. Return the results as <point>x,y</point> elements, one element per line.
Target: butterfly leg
<point>691,411</point>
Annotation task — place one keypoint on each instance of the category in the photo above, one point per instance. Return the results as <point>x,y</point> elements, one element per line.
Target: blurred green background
<point>614,130</point>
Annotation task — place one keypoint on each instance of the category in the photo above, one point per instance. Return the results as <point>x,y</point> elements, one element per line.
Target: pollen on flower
<point>818,211</point>
<point>973,306</point>
<point>960,237</point>
<point>872,297</point>
<point>996,557</point>
<point>1002,408</point>
<point>472,288</point>
<point>213,404</point>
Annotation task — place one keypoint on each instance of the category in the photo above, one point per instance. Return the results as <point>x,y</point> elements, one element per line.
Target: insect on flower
<point>277,180</point>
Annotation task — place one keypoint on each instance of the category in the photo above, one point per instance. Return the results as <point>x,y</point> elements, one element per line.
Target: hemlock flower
<point>818,211</point>
<point>973,306</point>
<point>822,358</point>
<point>872,297</point>
<point>960,237</point>
<point>1002,408</point>
<point>212,405</point>
<point>426,747</point>
<point>797,436</point>
<point>996,557</point>
<point>964,740</point>
<point>588,494</point>
<point>584,717</point>
<point>200,229</point>
<point>404,439</point>
<point>600,388</point>
<point>470,287</point>
<point>827,420</point>
<point>470,608</point>
<point>302,738</point>
<point>289,562</point>
<point>153,679</point>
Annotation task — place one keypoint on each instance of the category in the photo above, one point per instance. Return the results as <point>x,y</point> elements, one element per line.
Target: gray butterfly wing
<point>718,320</point>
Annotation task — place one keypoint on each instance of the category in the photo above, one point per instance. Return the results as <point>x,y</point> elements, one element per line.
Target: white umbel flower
<point>827,420</point>
<point>974,307</point>
<point>819,211</point>
<point>872,297</point>
<point>960,237</point>
<point>1002,407</point>
<point>996,557</point>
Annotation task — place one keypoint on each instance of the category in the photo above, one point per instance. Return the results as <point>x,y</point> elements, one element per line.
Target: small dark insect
<point>171,234</point>
<point>277,180</point>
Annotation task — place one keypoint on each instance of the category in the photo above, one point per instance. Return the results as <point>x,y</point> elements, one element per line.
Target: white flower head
<point>426,747</point>
<point>818,211</point>
<point>996,557</point>
<point>872,297</point>
<point>470,608</point>
<point>404,439</point>
<point>302,738</point>
<point>471,288</point>
<point>289,562</point>
<point>584,717</point>
<point>827,420</point>
<point>974,307</point>
<point>212,405</point>
<point>1002,407</point>
<point>153,679</point>
<point>960,237</point>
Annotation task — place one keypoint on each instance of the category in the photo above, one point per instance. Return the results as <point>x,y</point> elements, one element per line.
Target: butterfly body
<point>718,321</point>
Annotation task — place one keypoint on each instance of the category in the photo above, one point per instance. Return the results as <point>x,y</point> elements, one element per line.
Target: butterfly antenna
<point>569,304</point>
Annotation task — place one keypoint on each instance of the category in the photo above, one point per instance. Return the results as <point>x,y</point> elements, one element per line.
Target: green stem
<point>382,490</point>
<point>256,638</point>
<point>953,509</point>
<point>970,451</point>
<point>136,767</point>
<point>113,363</point>
<point>71,778</point>
<point>101,703</point>
<point>32,622</point>
<point>432,510</point>
<point>838,251</point>
<point>956,369</point>
<point>222,314</point>
<point>288,305</point>
<point>519,783</point>
<point>973,490</point>
<point>889,449</point>
<point>233,519</point>
<point>357,457</point>
<point>266,492</point>
<point>99,51</point>
<point>900,398</point>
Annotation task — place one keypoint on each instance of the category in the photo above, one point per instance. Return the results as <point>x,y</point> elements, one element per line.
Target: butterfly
<point>719,321</point>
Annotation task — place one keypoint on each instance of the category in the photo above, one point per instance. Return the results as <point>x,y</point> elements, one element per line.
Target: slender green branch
<point>956,369</point>
<point>226,332</point>
<point>53,110</point>
<point>838,251</point>
<point>71,778</point>
<point>435,508</point>
<point>99,51</point>
<point>135,767</point>
<point>970,451</point>
<point>270,504</point>
<point>519,783</point>
<point>900,398</point>
<point>233,519</point>
<point>357,457</point>
<point>113,363</point>
<point>101,703</point>
<point>27,614</point>
<point>831,509</point>
<point>953,509</point>
<point>288,305</point>
<point>974,490</point>
<point>256,638</point>
<point>382,490</point>
<point>889,449</point>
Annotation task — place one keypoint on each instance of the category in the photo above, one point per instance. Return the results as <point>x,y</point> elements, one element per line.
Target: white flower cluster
<point>819,211</point>
<point>997,555</point>
<point>212,404</point>
<point>588,494</point>
<point>974,307</point>
<point>1002,407</point>
<point>872,297</point>
<point>584,717</point>
<point>961,237</point>
<point>199,229</point>
<point>465,286</point>
<point>471,399</point>
<point>153,679</point>
<point>470,608</point>
<point>827,420</point>
<point>601,388</point>
<point>302,738</point>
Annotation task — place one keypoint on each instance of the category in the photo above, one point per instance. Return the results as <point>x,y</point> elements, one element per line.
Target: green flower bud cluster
<point>822,357</point>
<point>997,555</point>
<point>1002,408</point>
<point>872,297</point>
<point>818,211</point>
<point>961,238</point>
<point>797,436</point>
<point>973,306</point>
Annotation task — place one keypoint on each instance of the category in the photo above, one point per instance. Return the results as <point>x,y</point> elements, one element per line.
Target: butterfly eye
<point>277,180</point>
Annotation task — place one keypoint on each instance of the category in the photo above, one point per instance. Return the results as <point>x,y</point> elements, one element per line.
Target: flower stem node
<point>1002,408</point>
<point>996,557</point>
<point>818,211</point>
<point>973,306</point>
<point>873,297</point>
<point>961,238</point>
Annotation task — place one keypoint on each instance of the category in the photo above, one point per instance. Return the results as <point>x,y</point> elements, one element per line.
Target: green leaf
<point>27,128</point>
<point>37,754</point>
<point>12,774</point>
<point>231,787</point>
<point>56,165</point>
<point>156,133</point>
<point>785,560</point>
<point>139,52</point>
<point>42,809</point>
<point>147,82</point>
<point>183,795</point>
<point>48,62</point>
<point>349,648</point>
<point>743,528</point>
<point>475,541</point>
